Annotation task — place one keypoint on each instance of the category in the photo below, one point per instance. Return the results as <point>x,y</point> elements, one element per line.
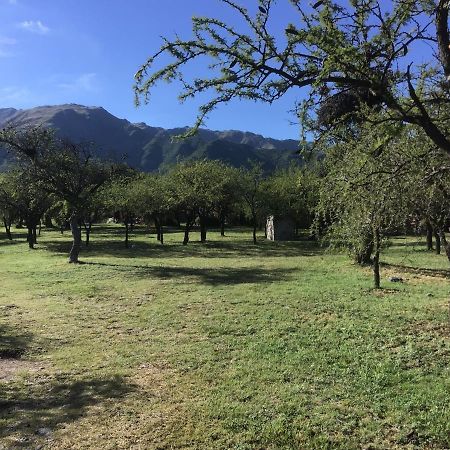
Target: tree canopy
<point>358,54</point>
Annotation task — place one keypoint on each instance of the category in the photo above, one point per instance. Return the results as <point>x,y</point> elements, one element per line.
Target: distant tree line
<point>373,183</point>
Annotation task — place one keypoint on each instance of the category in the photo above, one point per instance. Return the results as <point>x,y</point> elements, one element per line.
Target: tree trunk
<point>437,237</point>
<point>202,229</point>
<point>158,229</point>
<point>7,228</point>
<point>30,237</point>
<point>76,239</point>
<point>255,225</point>
<point>186,233</point>
<point>222,225</point>
<point>87,229</point>
<point>376,259</point>
<point>34,235</point>
<point>127,231</point>
<point>161,235</point>
<point>429,235</point>
<point>364,256</point>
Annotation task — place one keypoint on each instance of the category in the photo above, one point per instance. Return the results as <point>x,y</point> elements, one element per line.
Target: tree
<point>253,195</point>
<point>119,197</point>
<point>196,187</point>
<point>366,192</point>
<point>361,53</point>
<point>7,211</point>
<point>153,200</point>
<point>67,170</point>
<point>227,195</point>
<point>292,192</point>
<point>431,202</point>
<point>22,195</point>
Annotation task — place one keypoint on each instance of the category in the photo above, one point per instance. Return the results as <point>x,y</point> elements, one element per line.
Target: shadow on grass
<point>35,415</point>
<point>13,344</point>
<point>439,273</point>
<point>212,249</point>
<point>4,241</point>
<point>215,277</point>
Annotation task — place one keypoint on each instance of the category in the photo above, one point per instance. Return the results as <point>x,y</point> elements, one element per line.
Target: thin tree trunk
<point>30,237</point>
<point>76,239</point>
<point>34,235</point>
<point>255,225</point>
<point>186,233</point>
<point>87,229</point>
<point>7,228</point>
<point>376,259</point>
<point>429,235</point>
<point>127,230</point>
<point>222,225</point>
<point>437,238</point>
<point>161,235</point>
<point>158,229</point>
<point>202,229</point>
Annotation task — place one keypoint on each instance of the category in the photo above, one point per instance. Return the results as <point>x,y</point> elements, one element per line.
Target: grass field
<point>221,346</point>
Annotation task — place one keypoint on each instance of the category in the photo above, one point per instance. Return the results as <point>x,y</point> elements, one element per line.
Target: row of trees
<point>209,191</point>
<point>375,78</point>
<point>373,182</point>
<point>57,180</point>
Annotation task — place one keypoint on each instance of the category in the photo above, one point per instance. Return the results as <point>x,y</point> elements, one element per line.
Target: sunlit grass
<point>226,345</point>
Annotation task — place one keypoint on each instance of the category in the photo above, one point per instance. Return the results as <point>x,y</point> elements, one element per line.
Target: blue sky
<point>87,51</point>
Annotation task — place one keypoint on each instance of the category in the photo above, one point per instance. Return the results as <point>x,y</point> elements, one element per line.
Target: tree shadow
<point>217,276</point>
<point>209,249</point>
<point>4,241</point>
<point>13,344</point>
<point>439,273</point>
<point>35,415</point>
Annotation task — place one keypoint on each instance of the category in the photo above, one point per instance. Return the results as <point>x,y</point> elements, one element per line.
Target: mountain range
<point>151,148</point>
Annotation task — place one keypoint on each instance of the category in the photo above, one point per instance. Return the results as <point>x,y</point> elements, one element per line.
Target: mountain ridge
<point>150,148</point>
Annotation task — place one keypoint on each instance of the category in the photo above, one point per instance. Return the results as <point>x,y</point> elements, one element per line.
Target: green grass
<point>221,346</point>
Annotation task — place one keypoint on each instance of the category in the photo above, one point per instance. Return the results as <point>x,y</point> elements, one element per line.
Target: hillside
<point>150,148</point>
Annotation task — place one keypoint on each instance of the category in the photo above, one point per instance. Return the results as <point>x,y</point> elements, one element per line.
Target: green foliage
<point>351,56</point>
<point>366,193</point>
<point>293,192</point>
<point>24,196</point>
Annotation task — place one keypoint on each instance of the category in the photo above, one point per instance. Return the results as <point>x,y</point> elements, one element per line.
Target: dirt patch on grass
<point>12,368</point>
<point>436,329</point>
<point>154,377</point>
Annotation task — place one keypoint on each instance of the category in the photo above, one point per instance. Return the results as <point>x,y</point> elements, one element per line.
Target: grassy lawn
<point>222,346</point>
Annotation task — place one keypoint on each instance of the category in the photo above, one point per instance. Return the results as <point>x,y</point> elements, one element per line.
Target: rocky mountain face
<point>149,148</point>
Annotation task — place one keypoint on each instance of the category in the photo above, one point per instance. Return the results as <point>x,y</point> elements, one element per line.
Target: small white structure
<point>280,228</point>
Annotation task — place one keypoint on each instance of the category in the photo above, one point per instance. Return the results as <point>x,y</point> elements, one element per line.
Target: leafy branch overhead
<point>346,56</point>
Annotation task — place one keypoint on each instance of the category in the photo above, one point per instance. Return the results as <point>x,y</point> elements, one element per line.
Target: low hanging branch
<point>362,49</point>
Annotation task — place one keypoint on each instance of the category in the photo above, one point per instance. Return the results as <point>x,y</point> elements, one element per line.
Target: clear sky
<point>87,51</point>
